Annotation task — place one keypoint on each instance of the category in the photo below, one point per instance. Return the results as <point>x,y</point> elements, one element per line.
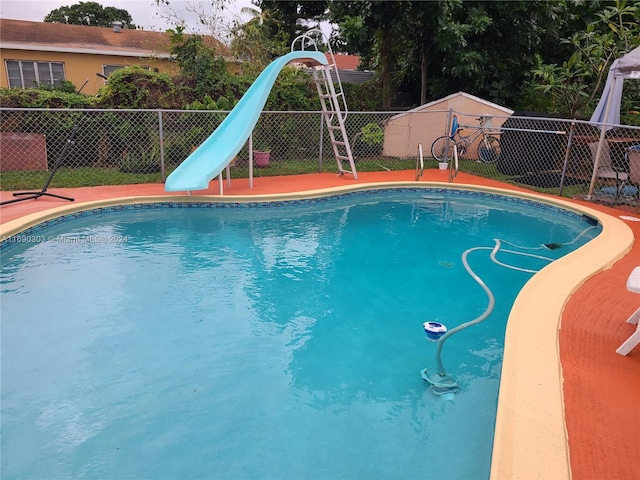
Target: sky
<point>143,12</point>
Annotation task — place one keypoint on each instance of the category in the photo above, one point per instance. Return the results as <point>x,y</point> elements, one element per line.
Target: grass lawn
<point>93,176</point>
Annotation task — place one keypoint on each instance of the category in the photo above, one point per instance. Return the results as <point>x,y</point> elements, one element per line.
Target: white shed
<point>422,125</point>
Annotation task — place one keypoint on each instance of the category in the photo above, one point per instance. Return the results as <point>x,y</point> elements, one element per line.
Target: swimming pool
<point>345,378</point>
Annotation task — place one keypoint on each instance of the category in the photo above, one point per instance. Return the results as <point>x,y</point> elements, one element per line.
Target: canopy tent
<point>607,113</point>
<point>608,109</point>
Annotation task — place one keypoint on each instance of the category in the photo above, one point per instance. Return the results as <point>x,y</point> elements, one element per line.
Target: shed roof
<point>448,98</point>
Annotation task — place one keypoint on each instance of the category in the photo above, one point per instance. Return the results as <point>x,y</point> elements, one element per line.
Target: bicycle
<point>488,149</point>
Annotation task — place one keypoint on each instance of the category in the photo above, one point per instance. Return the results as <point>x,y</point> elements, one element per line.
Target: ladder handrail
<point>311,41</point>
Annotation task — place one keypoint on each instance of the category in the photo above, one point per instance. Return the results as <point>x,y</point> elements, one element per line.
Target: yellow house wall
<point>403,134</point>
<point>78,67</point>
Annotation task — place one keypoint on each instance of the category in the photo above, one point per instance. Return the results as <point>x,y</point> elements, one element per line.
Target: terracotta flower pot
<point>261,159</point>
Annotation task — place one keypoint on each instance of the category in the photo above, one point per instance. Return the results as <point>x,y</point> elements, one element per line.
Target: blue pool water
<point>280,342</point>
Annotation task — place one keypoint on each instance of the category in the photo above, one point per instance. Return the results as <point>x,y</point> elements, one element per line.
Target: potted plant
<point>261,155</point>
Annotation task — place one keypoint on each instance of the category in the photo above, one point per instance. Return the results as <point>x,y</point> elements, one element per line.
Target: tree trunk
<point>387,78</point>
<point>423,76</point>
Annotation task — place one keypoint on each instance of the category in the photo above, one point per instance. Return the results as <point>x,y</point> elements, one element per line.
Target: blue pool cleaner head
<point>440,384</point>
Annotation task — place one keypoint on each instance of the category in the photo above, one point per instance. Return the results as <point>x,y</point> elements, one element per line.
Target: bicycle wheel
<point>489,150</point>
<point>442,148</point>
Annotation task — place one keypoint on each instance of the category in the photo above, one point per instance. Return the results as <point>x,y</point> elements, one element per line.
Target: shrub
<point>140,160</point>
<point>34,98</point>
<point>293,90</point>
<point>364,97</point>
<point>368,142</point>
<point>134,87</point>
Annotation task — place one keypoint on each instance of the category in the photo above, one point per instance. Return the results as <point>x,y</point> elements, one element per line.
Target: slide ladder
<point>334,105</point>
<point>334,111</point>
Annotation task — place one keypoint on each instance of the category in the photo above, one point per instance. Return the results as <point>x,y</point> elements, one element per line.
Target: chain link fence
<point>571,158</point>
<point>114,147</point>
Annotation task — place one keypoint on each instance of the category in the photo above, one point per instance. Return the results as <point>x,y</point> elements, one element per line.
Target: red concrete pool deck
<point>601,388</point>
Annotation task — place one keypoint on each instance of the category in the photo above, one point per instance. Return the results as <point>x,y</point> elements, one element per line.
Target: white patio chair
<point>633,285</point>
<point>633,158</point>
<point>606,169</point>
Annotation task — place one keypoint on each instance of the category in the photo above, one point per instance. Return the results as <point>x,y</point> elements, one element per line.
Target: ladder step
<point>328,95</point>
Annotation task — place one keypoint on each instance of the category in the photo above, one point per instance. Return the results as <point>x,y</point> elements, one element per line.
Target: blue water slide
<point>217,151</point>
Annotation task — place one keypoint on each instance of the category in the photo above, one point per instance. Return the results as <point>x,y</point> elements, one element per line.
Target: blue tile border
<point>41,227</point>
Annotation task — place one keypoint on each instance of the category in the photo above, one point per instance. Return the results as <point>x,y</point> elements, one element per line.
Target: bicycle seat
<point>454,125</point>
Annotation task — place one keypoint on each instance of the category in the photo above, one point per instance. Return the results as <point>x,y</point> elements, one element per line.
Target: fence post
<point>320,146</point>
<point>161,135</point>
<point>251,161</point>
<point>596,161</point>
<point>448,132</point>
<point>566,156</point>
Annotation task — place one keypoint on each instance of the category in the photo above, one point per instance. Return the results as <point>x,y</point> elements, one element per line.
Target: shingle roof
<point>346,62</point>
<point>24,35</point>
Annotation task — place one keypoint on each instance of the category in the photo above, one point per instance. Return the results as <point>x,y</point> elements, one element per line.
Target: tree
<point>90,13</point>
<point>209,15</point>
<point>485,48</point>
<point>198,62</point>
<point>292,17</point>
<point>259,40</point>
<point>574,84</point>
<point>442,39</point>
<point>374,26</point>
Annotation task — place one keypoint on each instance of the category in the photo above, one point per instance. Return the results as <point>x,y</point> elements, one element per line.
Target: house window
<point>26,73</point>
<point>109,69</point>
